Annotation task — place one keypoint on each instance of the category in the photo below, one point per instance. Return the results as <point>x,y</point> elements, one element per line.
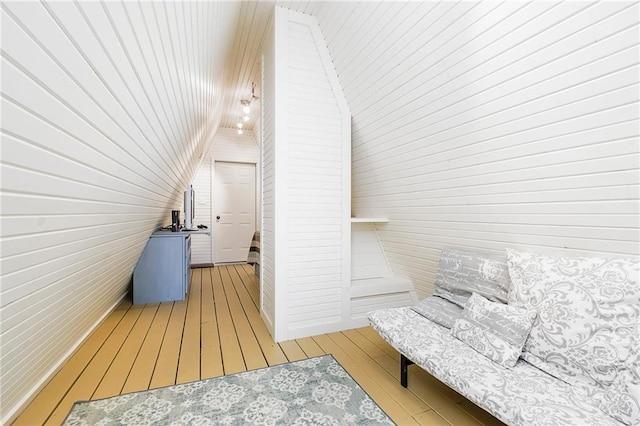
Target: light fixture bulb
<point>245,118</point>
<point>240,131</point>
<point>240,125</point>
<point>246,109</point>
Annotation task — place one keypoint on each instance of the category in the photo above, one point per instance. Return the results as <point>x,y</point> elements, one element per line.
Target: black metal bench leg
<point>404,363</point>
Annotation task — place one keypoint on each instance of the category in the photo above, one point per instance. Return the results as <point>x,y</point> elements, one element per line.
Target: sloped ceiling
<point>243,64</point>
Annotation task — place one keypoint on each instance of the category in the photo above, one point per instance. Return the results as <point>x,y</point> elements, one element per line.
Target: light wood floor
<point>218,331</point>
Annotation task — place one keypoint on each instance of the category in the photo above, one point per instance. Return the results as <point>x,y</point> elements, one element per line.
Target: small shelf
<point>380,285</point>
<point>369,220</point>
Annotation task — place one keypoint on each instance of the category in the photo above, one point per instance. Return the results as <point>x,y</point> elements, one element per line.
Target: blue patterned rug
<point>316,391</point>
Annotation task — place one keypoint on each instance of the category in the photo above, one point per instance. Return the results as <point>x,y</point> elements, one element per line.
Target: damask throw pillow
<point>586,311</point>
<point>462,272</point>
<point>622,400</point>
<point>496,330</point>
<point>438,310</point>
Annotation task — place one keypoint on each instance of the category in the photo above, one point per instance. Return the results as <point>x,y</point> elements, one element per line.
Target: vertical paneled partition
<point>106,111</point>
<point>305,240</point>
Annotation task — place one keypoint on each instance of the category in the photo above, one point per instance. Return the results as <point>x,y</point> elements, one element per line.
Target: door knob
<point>217,217</point>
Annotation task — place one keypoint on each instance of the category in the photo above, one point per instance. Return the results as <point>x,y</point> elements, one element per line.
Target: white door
<point>234,210</point>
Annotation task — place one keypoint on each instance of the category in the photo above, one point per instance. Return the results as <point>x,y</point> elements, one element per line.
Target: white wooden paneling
<point>107,109</point>
<point>307,168</point>
<point>201,246</point>
<point>491,125</point>
<point>316,156</point>
<point>231,147</point>
<point>367,256</point>
<point>268,180</point>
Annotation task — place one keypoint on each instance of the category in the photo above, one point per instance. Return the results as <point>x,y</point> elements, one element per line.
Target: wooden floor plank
<point>165,372</point>
<point>251,283</point>
<point>210,355</point>
<point>251,351</point>
<point>373,350</point>
<point>310,347</point>
<point>431,418</point>
<point>189,362</point>
<point>391,365</point>
<point>48,399</point>
<point>88,381</point>
<point>232,360</point>
<point>479,413</point>
<point>292,350</point>
<point>142,370</point>
<point>420,384</point>
<point>272,351</point>
<point>116,376</point>
<point>373,336</point>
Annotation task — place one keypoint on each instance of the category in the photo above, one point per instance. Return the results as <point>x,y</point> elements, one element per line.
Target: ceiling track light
<point>246,108</point>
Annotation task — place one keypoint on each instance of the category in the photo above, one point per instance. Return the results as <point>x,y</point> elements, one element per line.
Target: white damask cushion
<point>462,272</point>
<point>496,330</point>
<point>586,311</point>
<point>622,400</point>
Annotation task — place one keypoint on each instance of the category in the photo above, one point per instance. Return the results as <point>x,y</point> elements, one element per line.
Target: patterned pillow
<point>586,309</point>
<point>462,272</point>
<point>438,310</point>
<point>622,400</point>
<point>496,330</point>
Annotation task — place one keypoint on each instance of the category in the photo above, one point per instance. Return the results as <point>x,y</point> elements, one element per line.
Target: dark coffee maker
<point>175,220</point>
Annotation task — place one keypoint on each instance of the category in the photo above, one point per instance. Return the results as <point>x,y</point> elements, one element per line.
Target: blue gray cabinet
<point>163,270</point>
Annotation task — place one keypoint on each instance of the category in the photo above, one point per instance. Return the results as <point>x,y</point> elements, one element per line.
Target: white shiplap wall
<point>491,125</point>
<point>318,178</point>
<point>234,148</point>
<point>227,146</point>
<point>307,182</point>
<point>268,180</point>
<point>201,245</point>
<point>107,109</point>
